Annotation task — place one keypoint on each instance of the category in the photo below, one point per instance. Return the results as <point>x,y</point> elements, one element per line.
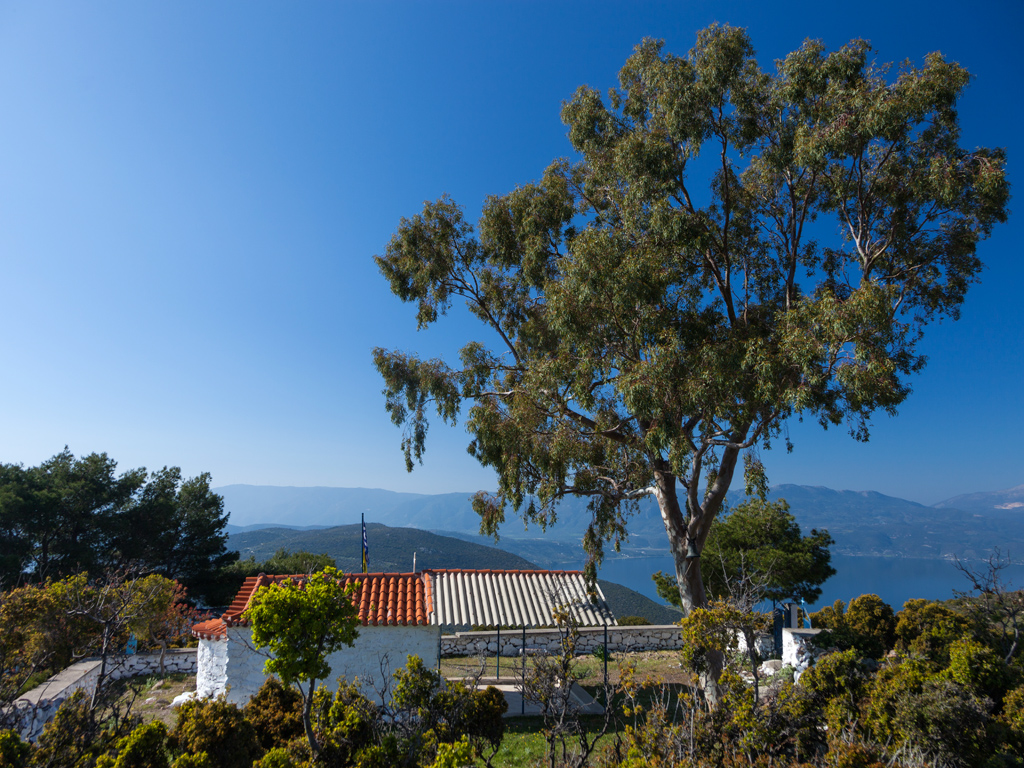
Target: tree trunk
<point>307,720</point>
<point>686,537</point>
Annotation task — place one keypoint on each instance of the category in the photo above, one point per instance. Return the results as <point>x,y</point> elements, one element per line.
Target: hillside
<point>625,602</point>
<point>391,549</point>
<point>861,522</point>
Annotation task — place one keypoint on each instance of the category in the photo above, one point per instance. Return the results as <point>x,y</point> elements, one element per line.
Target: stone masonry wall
<point>659,637</point>
<point>37,707</point>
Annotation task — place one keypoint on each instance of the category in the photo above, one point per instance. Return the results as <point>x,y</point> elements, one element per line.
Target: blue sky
<point>191,194</point>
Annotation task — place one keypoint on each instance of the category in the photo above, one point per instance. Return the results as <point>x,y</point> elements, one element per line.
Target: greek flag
<point>366,547</point>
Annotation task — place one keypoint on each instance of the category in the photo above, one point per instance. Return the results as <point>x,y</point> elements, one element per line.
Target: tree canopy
<point>71,515</point>
<point>760,542</point>
<point>730,247</point>
<point>301,624</point>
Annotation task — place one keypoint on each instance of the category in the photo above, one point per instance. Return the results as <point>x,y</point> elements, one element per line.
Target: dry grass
<point>151,696</point>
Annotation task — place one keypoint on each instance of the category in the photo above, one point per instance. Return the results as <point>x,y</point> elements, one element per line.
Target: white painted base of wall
<point>235,668</point>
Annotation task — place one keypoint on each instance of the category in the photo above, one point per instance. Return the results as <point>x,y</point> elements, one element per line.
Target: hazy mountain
<point>1010,501</point>
<point>391,549</point>
<point>861,522</point>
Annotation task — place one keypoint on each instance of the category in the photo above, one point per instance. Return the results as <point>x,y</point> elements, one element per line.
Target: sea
<point>894,579</point>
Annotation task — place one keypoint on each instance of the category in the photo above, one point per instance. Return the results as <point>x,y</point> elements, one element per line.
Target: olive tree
<point>730,247</point>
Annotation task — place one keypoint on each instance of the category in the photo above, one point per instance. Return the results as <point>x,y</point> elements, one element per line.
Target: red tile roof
<point>382,599</point>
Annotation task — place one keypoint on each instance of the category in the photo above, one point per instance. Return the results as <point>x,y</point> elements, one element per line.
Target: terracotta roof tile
<point>382,599</point>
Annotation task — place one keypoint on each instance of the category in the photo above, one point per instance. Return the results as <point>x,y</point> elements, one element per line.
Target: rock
<point>770,667</point>
<point>179,700</point>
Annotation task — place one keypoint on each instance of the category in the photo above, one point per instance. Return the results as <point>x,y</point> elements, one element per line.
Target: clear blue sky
<point>191,194</point>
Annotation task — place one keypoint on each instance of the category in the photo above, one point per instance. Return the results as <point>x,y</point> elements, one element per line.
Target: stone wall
<point>659,637</point>
<point>37,707</point>
<point>797,650</point>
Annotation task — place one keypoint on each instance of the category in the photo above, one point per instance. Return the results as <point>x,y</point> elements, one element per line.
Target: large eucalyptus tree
<point>730,248</point>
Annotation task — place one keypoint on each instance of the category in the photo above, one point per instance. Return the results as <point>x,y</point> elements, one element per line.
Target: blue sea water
<point>894,579</point>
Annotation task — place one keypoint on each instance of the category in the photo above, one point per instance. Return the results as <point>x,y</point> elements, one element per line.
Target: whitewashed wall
<point>797,650</point>
<point>212,668</point>
<point>377,652</point>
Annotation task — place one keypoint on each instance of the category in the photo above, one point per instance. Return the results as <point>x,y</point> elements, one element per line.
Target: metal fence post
<point>606,656</point>
<point>497,656</point>
<point>523,709</point>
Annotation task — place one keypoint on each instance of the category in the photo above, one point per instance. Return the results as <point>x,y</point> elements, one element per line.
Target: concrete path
<point>581,701</point>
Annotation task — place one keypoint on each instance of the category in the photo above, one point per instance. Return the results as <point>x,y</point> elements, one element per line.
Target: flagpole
<point>365,547</point>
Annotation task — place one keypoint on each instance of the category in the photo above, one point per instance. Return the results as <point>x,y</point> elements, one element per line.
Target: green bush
<point>873,625</point>
<point>928,629</point>
<point>978,668</point>
<point>217,728</point>
<point>143,748</point>
<point>867,626</point>
<point>14,752</point>
<point>279,757</point>
<point>73,739</point>
<point>633,621</point>
<point>275,713</point>
<point>198,760</point>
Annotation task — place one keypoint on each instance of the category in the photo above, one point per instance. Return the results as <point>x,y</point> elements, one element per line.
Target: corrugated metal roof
<point>466,598</point>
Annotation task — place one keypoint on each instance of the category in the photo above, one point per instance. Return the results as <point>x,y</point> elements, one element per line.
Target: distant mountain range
<point>861,522</point>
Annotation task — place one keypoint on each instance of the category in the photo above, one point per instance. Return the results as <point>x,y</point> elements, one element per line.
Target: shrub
<point>199,760</point>
<point>142,748</point>
<point>928,628</point>
<point>279,757</point>
<point>217,728</point>
<point>14,752</point>
<point>978,668</point>
<point>72,739</point>
<point>866,626</point>
<point>633,621</point>
<point>838,681</point>
<point>275,713</point>
<point>873,625</point>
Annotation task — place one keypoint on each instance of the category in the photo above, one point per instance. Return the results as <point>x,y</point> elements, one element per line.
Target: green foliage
<point>867,626</point>
<point>928,629</point>
<point>216,729</point>
<point>281,562</point>
<point>448,710</point>
<point>717,629</point>
<point>979,669</point>
<point>279,757</point>
<point>347,725</point>
<point>143,748</point>
<point>14,753</point>
<point>760,540</point>
<point>275,712</point>
<point>301,624</point>
<point>77,514</point>
<point>633,621</point>
<point>200,760</point>
<point>655,318</point>
<point>73,738</point>
<point>424,714</point>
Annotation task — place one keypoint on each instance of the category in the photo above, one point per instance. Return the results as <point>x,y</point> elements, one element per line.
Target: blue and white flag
<point>366,547</point>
